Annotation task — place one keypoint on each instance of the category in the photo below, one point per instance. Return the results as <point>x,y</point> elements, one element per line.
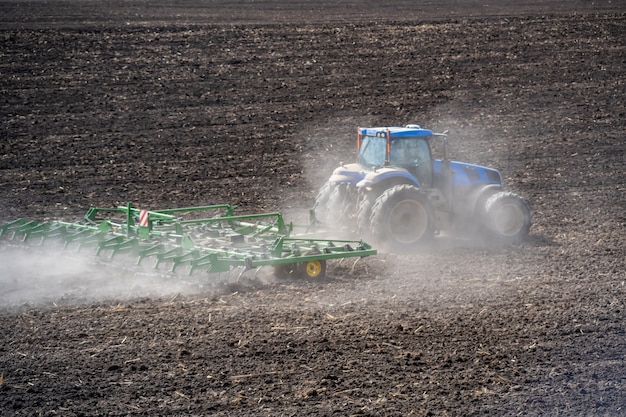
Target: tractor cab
<point>407,148</point>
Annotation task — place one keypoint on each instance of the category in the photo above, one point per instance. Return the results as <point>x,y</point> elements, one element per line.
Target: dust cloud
<point>50,277</point>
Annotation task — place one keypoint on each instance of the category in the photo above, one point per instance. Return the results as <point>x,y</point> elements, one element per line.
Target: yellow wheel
<point>314,269</point>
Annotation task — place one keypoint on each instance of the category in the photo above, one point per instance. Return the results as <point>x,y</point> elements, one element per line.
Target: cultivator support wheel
<point>209,239</point>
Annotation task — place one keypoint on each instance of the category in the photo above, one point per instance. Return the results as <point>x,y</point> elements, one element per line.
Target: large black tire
<point>402,219</point>
<point>508,217</point>
<point>364,214</point>
<point>340,206</point>
<point>321,200</point>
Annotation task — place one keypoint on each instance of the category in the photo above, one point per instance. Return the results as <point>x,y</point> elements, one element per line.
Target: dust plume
<point>51,276</point>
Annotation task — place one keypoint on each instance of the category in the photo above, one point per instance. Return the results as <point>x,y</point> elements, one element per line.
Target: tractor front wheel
<point>402,219</point>
<point>364,213</point>
<point>508,217</point>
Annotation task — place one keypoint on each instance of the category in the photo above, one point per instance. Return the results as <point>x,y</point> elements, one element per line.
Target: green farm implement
<point>209,239</point>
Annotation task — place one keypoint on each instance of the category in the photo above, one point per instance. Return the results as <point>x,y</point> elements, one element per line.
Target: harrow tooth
<point>10,227</point>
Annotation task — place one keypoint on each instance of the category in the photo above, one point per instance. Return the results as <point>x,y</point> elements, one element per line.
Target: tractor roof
<point>397,132</point>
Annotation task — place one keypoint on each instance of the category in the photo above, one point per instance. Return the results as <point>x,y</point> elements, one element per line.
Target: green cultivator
<point>211,239</point>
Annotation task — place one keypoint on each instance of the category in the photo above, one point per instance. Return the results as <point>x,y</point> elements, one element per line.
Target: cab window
<point>414,155</point>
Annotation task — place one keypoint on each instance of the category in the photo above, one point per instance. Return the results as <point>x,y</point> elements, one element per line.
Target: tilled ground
<point>253,105</point>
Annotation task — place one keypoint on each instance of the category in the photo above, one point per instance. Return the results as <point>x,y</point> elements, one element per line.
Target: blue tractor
<point>399,196</point>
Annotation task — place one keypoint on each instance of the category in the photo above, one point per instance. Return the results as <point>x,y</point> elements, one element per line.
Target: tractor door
<point>414,155</point>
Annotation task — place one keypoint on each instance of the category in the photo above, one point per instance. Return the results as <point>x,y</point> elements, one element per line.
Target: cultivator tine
<point>24,229</point>
<point>56,231</point>
<point>84,238</point>
<point>149,251</point>
<point>32,229</point>
<point>10,226</point>
<point>167,256</point>
<point>116,244</point>
<point>208,261</point>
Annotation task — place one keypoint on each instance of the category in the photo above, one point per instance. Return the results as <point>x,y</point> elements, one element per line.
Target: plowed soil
<point>254,103</point>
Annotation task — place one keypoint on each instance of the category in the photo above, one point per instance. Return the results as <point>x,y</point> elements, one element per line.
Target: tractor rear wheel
<point>508,217</point>
<point>340,206</point>
<point>364,213</point>
<point>402,219</point>
<point>321,200</point>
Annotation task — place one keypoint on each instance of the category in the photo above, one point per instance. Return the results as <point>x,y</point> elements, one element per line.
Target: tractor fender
<point>349,173</point>
<point>477,198</point>
<point>398,175</point>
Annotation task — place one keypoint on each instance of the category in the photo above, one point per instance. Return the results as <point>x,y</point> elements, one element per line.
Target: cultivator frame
<point>219,242</point>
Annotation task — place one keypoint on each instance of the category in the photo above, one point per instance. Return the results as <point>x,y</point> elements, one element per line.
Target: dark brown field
<point>254,103</point>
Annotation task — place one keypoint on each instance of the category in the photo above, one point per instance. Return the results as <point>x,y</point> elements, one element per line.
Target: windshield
<point>372,152</point>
